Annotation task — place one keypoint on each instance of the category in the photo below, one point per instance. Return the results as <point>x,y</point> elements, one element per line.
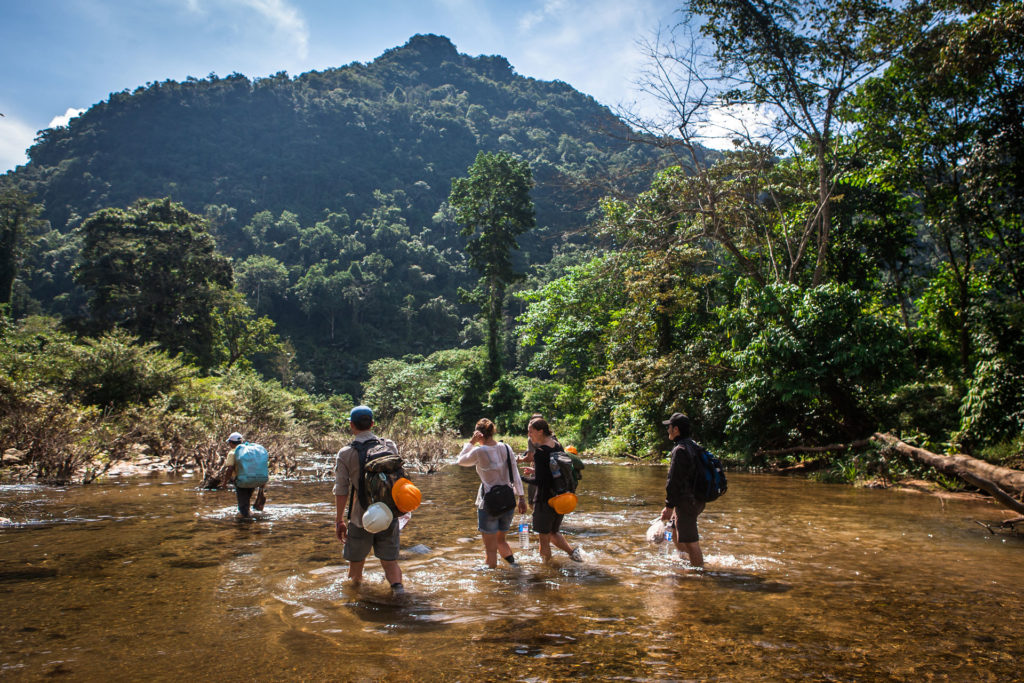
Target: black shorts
<point>545,519</point>
<point>686,520</point>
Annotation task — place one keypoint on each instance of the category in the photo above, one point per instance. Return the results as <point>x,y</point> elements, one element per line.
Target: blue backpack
<point>708,475</point>
<point>251,465</point>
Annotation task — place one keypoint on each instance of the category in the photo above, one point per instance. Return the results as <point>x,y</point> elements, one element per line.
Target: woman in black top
<point>546,522</point>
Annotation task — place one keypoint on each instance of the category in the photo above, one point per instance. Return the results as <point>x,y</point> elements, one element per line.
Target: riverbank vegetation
<point>71,407</point>
<point>852,267</point>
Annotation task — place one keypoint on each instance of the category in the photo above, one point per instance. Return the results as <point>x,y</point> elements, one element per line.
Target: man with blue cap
<point>348,494</point>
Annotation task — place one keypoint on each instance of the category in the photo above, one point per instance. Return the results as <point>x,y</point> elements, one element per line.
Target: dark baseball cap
<point>360,412</point>
<point>677,420</point>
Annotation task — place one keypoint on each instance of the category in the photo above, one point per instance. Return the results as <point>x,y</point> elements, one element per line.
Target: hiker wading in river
<point>681,505</point>
<point>347,482</point>
<point>500,492</point>
<point>546,522</point>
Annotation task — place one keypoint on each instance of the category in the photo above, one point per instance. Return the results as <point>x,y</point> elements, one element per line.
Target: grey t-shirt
<point>346,474</point>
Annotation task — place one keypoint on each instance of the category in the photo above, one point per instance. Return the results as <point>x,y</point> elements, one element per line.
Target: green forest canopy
<point>865,273</point>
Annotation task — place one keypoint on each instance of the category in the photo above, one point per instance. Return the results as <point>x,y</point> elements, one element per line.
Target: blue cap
<point>360,412</point>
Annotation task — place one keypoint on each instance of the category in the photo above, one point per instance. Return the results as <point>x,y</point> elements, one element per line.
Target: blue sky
<point>61,56</point>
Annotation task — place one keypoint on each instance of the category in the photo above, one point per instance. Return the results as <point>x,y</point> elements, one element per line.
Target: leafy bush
<point>993,409</point>
<point>441,392</point>
<point>809,364</point>
<point>75,407</point>
<point>505,405</point>
<point>926,408</point>
<point>116,370</point>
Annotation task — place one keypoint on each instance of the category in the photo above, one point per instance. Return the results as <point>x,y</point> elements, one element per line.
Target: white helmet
<point>377,518</point>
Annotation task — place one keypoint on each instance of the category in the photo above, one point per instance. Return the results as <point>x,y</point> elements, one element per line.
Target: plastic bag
<point>656,532</point>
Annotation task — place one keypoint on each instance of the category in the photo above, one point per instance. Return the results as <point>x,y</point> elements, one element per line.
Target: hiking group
<point>374,498</point>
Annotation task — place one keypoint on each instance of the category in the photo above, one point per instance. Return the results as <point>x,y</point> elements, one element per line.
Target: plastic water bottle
<point>669,545</point>
<point>524,534</point>
<point>556,471</point>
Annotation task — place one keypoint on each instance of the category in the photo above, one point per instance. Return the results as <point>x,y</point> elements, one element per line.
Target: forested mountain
<point>853,265</point>
<point>410,120</point>
<point>328,189</point>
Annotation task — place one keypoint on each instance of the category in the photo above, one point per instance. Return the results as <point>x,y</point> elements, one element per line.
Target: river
<point>152,579</point>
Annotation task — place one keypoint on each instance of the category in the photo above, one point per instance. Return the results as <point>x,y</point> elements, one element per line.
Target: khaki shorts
<point>360,541</point>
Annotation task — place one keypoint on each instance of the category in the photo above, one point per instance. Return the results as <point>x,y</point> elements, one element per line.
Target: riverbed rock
<point>12,456</point>
<point>419,549</point>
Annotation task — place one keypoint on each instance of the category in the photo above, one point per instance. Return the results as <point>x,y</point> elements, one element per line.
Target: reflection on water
<point>155,579</point>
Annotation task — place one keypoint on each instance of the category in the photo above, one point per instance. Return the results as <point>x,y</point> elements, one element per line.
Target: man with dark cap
<point>358,542</point>
<point>681,506</point>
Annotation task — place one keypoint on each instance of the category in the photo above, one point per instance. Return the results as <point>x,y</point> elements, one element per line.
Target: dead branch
<point>760,453</point>
<point>800,467</point>
<point>1003,483</point>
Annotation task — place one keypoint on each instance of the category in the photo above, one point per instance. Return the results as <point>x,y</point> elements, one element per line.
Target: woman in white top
<point>493,461</point>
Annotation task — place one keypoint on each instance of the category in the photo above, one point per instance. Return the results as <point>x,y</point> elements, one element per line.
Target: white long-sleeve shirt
<point>492,466</point>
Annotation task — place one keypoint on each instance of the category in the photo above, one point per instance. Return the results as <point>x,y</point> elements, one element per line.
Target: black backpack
<point>379,468</point>
<point>565,472</point>
<point>708,475</point>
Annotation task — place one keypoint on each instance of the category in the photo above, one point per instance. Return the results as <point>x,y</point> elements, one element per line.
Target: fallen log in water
<point>1004,484</point>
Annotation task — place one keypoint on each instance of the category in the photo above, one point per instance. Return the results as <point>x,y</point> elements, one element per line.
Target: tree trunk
<point>1003,483</point>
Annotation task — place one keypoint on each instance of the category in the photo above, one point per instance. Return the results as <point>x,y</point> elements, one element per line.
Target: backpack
<point>708,476</point>
<point>379,469</point>
<point>565,471</point>
<point>251,465</point>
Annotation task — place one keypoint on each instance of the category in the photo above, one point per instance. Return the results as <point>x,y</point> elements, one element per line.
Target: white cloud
<point>65,118</point>
<point>285,19</point>
<point>590,44</point>
<point>531,19</point>
<point>15,138</point>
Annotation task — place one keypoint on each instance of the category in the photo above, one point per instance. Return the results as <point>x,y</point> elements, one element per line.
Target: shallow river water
<point>152,579</point>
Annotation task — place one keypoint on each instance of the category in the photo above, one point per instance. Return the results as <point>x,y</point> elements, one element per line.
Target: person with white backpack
<point>247,464</point>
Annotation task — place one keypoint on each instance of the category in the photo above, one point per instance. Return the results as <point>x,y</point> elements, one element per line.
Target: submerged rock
<point>419,549</point>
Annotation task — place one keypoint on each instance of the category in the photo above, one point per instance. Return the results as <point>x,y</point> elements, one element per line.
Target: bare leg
<point>545,546</point>
<point>503,547</point>
<point>392,572</point>
<point>355,572</point>
<point>491,549</point>
<point>559,542</point>
<point>692,550</point>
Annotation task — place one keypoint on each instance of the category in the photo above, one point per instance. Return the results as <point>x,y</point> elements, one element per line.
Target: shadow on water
<point>743,581</point>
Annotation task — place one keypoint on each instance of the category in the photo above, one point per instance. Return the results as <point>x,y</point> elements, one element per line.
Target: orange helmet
<point>563,503</point>
<point>406,496</point>
<point>571,449</point>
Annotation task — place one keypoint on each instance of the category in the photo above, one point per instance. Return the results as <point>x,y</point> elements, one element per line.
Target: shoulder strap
<point>361,448</point>
<point>508,461</point>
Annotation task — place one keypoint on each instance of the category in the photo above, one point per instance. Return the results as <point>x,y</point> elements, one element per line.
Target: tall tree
<point>261,276</point>
<point>493,206</point>
<point>944,126</point>
<point>153,269</point>
<point>19,217</point>
<point>781,70</point>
